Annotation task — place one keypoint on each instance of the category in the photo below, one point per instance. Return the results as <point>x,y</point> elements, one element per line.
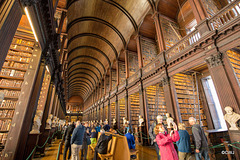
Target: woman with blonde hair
<point>165,142</point>
<point>183,144</point>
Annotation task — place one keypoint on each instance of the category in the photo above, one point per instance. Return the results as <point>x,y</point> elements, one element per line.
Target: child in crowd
<point>165,142</point>
<point>94,136</point>
<point>183,144</point>
<point>130,139</point>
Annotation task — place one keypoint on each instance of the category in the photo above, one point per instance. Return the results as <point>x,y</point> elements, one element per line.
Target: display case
<point>156,103</point>
<point>11,80</point>
<point>134,109</point>
<point>188,102</point>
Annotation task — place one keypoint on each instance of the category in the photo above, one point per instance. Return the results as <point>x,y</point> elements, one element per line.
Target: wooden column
<point>224,91</point>
<point>127,114</point>
<point>232,77</point>
<point>105,85</point>
<point>103,112</point>
<point>10,16</point>
<point>52,100</point>
<point>55,105</point>
<point>158,27</point>
<point>33,136</point>
<point>101,91</point>
<point>126,63</point>
<point>45,132</point>
<point>110,80</point>
<point>165,81</point>
<point>58,107</point>
<point>63,16</point>
<point>198,9</point>
<point>117,72</point>
<point>26,106</point>
<point>222,83</point>
<point>139,51</point>
<point>117,112</point>
<point>168,96</point>
<point>129,108</point>
<point>109,113</point>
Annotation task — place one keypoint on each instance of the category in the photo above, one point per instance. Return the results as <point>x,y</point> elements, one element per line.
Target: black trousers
<point>157,149</point>
<point>67,146</point>
<point>84,151</point>
<point>95,155</point>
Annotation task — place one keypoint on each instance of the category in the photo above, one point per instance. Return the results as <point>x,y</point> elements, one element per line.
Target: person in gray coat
<point>200,140</point>
<point>153,135</point>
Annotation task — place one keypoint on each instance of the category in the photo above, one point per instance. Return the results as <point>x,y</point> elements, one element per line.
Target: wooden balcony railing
<point>133,77</point>
<point>156,62</point>
<point>183,44</point>
<point>225,15</point>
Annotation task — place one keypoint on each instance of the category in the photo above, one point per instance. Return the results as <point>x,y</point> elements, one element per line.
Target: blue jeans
<point>157,149</point>
<point>203,153</point>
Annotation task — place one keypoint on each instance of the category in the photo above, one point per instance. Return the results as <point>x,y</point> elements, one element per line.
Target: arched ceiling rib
<point>97,31</point>
<point>81,73</point>
<point>95,36</point>
<point>85,69</point>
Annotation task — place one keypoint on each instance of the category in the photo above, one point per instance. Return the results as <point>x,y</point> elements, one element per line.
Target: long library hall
<point>120,79</point>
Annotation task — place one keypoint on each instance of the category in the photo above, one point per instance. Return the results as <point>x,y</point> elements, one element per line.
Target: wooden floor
<point>145,153</point>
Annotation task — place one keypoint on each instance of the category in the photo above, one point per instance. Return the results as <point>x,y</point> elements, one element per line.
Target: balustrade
<point>225,15</point>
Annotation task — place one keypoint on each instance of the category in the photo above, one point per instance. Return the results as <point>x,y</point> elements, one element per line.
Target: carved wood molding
<point>214,60</point>
<point>165,81</point>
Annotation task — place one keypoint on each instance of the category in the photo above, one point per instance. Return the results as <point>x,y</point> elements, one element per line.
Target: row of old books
<point>12,73</point>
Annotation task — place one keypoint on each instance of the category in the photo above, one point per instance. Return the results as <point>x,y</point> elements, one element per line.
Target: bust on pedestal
<point>37,122</point>
<point>49,121</point>
<point>232,118</point>
<point>169,120</point>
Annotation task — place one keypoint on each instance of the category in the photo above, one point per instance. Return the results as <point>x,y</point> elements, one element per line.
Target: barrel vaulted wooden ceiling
<point>96,31</point>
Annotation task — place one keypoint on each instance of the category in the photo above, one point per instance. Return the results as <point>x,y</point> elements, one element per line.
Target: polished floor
<point>145,153</point>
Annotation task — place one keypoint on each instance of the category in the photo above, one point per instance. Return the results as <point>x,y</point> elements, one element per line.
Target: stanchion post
<point>225,143</point>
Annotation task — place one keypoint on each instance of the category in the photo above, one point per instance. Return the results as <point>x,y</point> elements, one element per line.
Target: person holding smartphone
<point>165,141</point>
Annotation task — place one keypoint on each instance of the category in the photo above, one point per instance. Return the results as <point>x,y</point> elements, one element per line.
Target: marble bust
<point>37,122</point>
<point>49,121</point>
<point>54,122</point>
<point>232,118</point>
<point>114,121</point>
<point>169,120</point>
<point>124,121</point>
<point>141,120</point>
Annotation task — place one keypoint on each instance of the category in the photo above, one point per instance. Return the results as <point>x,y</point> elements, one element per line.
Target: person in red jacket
<point>165,142</point>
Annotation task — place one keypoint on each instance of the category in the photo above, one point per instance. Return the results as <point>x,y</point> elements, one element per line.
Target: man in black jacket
<point>86,141</point>
<point>200,140</point>
<point>102,144</point>
<point>67,138</point>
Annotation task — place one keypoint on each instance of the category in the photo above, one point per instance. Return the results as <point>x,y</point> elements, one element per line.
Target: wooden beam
<point>198,9</point>
<point>61,9</point>
<point>62,52</point>
<point>63,16</point>
<point>126,63</point>
<point>139,51</point>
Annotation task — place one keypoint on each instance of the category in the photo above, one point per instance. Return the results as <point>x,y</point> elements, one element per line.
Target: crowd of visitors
<point>78,136</point>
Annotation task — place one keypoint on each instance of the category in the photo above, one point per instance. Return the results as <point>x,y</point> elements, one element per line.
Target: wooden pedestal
<point>42,139</point>
<point>31,143</point>
<point>235,137</point>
